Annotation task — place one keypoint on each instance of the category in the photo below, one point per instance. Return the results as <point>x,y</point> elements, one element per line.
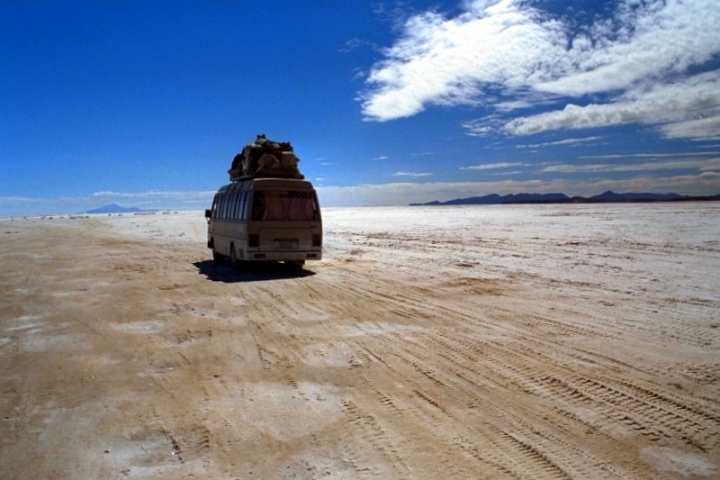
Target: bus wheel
<point>233,258</point>
<point>295,264</point>
<point>216,256</point>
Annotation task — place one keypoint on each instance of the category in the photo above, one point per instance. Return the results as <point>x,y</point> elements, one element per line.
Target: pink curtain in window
<point>288,207</point>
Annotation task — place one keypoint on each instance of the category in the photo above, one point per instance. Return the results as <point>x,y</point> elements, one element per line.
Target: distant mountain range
<point>114,208</point>
<point>605,197</point>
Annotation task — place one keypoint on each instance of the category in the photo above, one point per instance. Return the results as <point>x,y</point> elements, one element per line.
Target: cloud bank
<point>703,178</point>
<point>150,200</point>
<point>705,183</point>
<point>648,63</point>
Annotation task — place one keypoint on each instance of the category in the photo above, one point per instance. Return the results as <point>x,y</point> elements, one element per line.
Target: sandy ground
<point>529,342</point>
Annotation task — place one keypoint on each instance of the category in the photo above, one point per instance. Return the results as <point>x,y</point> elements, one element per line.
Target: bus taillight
<point>316,240</point>
<point>253,240</point>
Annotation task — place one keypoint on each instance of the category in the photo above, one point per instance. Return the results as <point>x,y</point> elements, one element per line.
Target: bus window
<point>224,206</point>
<point>239,205</point>
<point>233,206</point>
<point>221,207</point>
<point>213,209</point>
<point>276,205</point>
<point>228,204</point>
<point>258,205</point>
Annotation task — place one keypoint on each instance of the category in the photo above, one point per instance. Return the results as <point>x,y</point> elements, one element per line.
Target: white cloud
<point>157,200</point>
<point>643,42</point>
<point>152,198</point>
<point>411,174</point>
<point>17,200</point>
<point>567,141</point>
<point>491,166</point>
<point>484,127</point>
<point>701,165</point>
<point>706,128</point>
<point>652,155</point>
<point>672,104</point>
<point>445,61</point>
<point>509,55</point>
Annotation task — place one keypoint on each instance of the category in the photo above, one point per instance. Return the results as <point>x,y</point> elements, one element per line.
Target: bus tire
<point>233,258</point>
<point>215,255</point>
<point>295,264</point>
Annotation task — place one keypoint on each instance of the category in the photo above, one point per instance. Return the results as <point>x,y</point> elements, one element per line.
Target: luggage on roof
<point>265,159</point>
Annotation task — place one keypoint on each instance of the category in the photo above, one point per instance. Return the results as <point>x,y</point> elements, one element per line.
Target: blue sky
<point>145,103</point>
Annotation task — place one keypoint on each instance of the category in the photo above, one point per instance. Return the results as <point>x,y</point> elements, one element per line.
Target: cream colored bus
<point>264,220</point>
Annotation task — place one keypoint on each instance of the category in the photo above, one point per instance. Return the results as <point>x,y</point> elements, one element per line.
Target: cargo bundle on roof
<point>265,159</point>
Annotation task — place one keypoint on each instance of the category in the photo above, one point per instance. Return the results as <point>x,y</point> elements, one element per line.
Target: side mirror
<point>207,213</point>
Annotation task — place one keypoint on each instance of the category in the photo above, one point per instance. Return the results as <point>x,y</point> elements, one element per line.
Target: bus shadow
<point>223,272</point>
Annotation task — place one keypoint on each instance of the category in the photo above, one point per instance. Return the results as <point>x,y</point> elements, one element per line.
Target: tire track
<point>375,433</point>
<point>469,394</point>
<point>537,461</point>
<point>478,364</point>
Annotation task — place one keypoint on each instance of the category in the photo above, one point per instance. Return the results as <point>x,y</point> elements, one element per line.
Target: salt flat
<point>550,341</point>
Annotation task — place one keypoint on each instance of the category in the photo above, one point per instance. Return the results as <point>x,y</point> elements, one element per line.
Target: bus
<point>265,220</point>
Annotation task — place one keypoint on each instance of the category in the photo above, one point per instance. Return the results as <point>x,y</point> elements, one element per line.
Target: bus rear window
<point>278,205</point>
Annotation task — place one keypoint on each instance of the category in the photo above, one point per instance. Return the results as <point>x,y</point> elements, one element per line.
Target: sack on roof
<point>265,158</point>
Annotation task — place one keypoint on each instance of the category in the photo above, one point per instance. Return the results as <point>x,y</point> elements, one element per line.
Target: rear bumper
<point>260,256</point>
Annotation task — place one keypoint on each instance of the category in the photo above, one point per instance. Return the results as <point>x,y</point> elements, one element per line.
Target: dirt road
<point>521,346</point>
